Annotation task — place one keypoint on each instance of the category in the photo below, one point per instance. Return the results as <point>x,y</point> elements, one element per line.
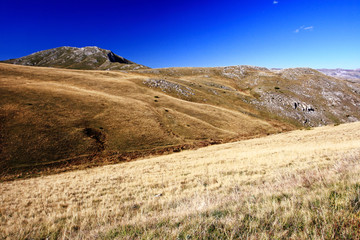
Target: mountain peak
<point>89,58</point>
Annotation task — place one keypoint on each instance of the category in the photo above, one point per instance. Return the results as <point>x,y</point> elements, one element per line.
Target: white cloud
<point>309,28</point>
<point>275,2</point>
<point>303,28</point>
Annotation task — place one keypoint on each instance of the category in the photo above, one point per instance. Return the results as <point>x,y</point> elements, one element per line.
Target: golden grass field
<point>54,120</point>
<point>302,184</point>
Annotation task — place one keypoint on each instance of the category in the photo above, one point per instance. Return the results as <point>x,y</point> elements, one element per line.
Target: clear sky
<point>281,33</point>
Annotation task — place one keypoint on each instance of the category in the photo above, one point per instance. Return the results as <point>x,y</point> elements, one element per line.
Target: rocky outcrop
<point>115,58</point>
<point>303,96</point>
<point>308,97</point>
<point>169,87</point>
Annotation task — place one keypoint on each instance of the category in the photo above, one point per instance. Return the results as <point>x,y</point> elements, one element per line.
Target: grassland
<point>302,184</point>
<point>54,120</point>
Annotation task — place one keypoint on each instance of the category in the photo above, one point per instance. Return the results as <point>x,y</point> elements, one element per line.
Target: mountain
<point>86,58</point>
<point>348,74</point>
<point>55,119</point>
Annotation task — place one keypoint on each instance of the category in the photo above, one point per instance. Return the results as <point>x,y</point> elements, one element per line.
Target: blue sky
<point>282,33</point>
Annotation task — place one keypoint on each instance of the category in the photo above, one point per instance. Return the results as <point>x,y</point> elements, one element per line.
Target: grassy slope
<point>275,92</point>
<point>302,184</point>
<point>57,118</point>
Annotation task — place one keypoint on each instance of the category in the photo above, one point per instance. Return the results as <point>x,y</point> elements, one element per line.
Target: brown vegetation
<point>54,120</point>
<point>301,184</point>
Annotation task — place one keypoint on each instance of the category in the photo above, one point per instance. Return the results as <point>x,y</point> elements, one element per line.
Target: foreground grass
<point>302,184</point>
<point>317,213</point>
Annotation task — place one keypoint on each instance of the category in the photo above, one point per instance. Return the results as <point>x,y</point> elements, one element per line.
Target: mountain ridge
<point>85,58</point>
<point>95,58</point>
<point>347,74</point>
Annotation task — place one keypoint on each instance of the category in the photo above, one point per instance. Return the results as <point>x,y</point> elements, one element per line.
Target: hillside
<point>302,96</point>
<point>55,120</point>
<point>58,119</point>
<point>297,185</point>
<point>87,58</point>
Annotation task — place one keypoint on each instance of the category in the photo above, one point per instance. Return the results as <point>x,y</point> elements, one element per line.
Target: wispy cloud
<point>303,28</point>
<point>275,2</point>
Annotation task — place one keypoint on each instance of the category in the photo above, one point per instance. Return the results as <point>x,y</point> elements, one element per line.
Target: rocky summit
<point>85,58</point>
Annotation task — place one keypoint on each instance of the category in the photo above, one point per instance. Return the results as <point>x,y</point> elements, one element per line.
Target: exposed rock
<point>241,71</point>
<point>300,95</point>
<point>115,58</point>
<point>169,87</point>
<point>211,84</point>
<point>294,73</point>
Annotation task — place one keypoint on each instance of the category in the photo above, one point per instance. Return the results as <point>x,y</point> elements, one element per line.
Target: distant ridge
<point>348,74</point>
<point>85,58</point>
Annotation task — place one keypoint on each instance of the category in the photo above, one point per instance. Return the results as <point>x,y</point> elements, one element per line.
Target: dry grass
<point>301,184</point>
<point>44,114</point>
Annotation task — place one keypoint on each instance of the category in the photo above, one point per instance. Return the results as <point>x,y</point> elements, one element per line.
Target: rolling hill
<point>302,96</point>
<point>278,174</point>
<point>56,119</point>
